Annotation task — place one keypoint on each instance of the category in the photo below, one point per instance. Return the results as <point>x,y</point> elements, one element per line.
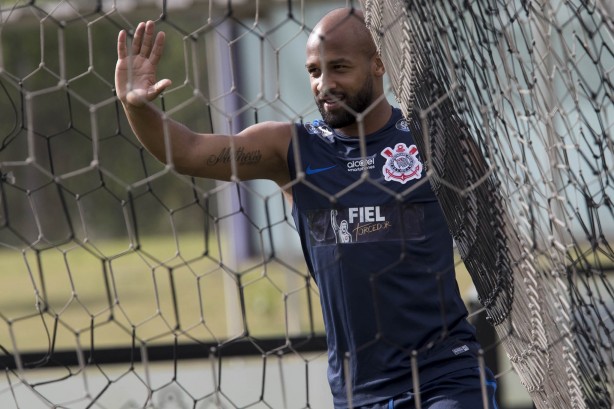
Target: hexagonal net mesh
<point>111,261</point>
<point>125,284</point>
<point>514,102</point>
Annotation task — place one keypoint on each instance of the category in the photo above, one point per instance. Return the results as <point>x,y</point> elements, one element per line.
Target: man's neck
<point>372,120</point>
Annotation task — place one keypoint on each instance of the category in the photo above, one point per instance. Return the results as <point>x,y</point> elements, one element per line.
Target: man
<point>392,310</point>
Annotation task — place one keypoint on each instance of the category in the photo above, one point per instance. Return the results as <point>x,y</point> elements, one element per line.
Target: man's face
<point>342,114</point>
<point>341,82</point>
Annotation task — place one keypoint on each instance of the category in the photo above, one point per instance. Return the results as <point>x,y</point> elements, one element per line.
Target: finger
<point>139,97</point>
<point>137,40</point>
<point>157,88</point>
<point>148,39</point>
<point>121,44</point>
<point>158,48</point>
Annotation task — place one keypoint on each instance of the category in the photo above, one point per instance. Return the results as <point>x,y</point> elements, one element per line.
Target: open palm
<point>135,74</point>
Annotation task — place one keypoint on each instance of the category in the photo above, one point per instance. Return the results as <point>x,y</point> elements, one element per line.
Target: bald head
<point>346,27</point>
<point>346,73</point>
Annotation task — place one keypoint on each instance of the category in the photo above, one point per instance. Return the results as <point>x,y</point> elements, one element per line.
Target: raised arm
<point>260,150</point>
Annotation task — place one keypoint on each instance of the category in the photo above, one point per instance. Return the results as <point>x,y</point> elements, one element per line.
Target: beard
<point>358,102</point>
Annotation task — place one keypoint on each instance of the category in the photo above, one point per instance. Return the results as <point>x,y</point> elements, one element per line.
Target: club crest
<point>402,163</point>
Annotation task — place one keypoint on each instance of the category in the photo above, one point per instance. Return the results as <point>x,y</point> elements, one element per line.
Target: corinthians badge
<point>402,163</point>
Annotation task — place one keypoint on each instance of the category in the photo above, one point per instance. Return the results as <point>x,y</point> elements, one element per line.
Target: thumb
<point>139,97</point>
<point>157,88</point>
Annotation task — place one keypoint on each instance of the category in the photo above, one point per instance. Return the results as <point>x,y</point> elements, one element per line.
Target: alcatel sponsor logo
<point>362,164</point>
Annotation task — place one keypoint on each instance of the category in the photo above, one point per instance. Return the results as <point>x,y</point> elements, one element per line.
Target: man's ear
<point>378,66</point>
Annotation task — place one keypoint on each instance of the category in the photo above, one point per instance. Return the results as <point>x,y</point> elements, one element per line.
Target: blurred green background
<point>99,241</point>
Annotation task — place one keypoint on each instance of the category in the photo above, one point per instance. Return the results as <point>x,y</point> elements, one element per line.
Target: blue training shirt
<point>381,254</point>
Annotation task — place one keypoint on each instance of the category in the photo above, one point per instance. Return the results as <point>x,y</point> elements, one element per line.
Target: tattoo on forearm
<point>241,156</point>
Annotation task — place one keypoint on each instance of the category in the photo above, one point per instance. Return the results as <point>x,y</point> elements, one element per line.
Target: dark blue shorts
<point>458,390</point>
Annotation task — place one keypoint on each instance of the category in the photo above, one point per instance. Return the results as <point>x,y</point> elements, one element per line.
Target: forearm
<point>166,139</point>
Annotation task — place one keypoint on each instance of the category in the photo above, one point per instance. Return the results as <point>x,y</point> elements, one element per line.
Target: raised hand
<point>136,82</point>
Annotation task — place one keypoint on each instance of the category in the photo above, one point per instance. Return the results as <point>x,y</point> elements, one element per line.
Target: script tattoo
<point>241,157</point>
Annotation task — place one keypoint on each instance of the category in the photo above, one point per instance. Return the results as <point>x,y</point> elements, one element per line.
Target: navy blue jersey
<point>377,244</point>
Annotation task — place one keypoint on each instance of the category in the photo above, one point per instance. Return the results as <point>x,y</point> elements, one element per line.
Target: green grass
<point>165,289</point>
